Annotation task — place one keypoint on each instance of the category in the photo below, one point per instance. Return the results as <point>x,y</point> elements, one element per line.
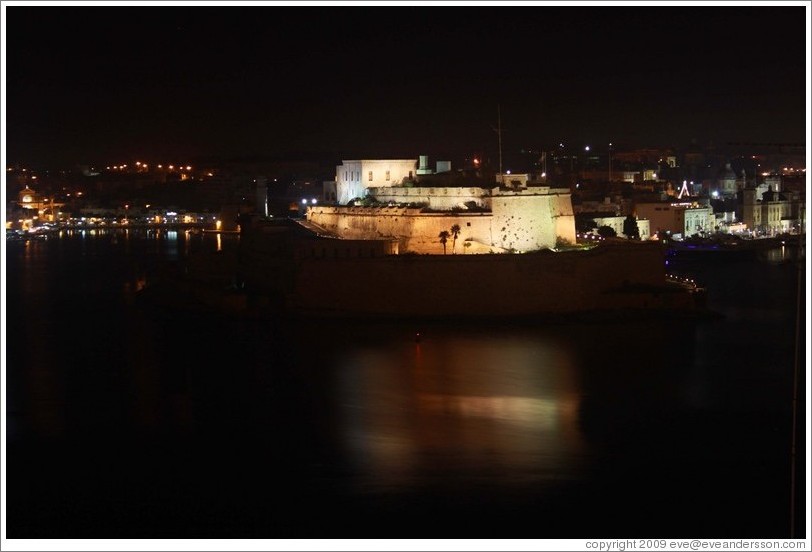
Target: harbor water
<point>128,421</point>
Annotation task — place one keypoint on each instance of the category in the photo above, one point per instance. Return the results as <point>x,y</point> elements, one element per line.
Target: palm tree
<point>466,245</point>
<point>455,231</point>
<point>444,235</point>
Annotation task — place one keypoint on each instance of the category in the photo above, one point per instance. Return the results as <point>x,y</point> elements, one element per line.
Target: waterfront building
<point>30,199</point>
<point>685,218</point>
<point>355,177</point>
<point>769,212</point>
<point>616,224</point>
<point>517,216</point>
<point>33,206</point>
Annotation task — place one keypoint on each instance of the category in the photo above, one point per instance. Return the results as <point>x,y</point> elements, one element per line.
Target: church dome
<point>727,173</point>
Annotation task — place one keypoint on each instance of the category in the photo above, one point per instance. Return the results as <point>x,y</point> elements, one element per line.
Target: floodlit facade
<point>355,177</point>
<point>769,212</point>
<point>516,217</point>
<point>616,224</point>
<point>682,218</point>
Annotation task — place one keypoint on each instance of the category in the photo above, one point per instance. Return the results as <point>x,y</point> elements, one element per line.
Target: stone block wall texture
<point>519,222</point>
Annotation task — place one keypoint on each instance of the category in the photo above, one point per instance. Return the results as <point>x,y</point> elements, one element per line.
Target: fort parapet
<point>527,219</point>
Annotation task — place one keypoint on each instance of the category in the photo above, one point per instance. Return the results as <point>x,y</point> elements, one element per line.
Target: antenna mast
<point>498,131</point>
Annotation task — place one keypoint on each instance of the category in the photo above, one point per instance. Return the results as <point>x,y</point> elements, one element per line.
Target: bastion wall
<point>435,198</point>
<point>521,222</point>
<point>494,285</point>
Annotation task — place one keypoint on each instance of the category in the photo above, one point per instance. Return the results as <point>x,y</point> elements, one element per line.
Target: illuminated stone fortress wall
<point>519,218</point>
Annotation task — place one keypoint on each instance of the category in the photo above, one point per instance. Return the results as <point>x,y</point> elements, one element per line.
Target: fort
<point>512,216</point>
<point>512,246</point>
<point>306,274</point>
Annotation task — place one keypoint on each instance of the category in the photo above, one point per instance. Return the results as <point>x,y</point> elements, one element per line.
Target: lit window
<point>370,176</point>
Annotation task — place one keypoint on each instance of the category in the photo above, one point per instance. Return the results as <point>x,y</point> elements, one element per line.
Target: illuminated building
<point>726,182</point>
<point>516,216</point>
<point>354,178</point>
<point>29,199</point>
<point>685,218</point>
<point>616,224</point>
<point>770,213</point>
<point>37,206</point>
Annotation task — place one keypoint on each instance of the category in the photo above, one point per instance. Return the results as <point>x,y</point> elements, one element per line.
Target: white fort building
<point>403,200</point>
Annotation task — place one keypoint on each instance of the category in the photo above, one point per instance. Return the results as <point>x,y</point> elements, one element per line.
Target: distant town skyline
<point>90,84</point>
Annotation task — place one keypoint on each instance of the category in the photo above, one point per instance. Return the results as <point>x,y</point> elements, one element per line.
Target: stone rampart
<point>460,285</point>
<point>436,198</point>
<point>519,222</point>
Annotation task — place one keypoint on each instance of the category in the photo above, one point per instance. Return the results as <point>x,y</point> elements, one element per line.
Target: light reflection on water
<point>562,419</point>
<point>505,407</point>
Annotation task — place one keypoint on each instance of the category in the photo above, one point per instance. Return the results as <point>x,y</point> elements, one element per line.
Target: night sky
<point>107,83</point>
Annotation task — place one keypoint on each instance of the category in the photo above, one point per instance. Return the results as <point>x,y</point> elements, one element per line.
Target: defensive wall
<point>544,282</point>
<point>331,276</point>
<point>440,198</point>
<point>520,221</point>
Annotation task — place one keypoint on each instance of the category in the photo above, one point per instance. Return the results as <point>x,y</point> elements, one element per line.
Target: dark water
<point>129,422</point>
